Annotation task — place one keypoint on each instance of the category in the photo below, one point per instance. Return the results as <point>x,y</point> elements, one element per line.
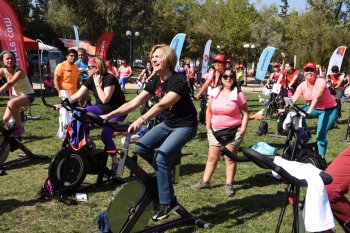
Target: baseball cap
<point>311,65</point>
<point>220,58</point>
<point>276,64</point>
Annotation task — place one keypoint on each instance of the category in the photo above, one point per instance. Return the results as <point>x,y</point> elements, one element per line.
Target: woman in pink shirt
<point>125,73</point>
<point>320,104</point>
<point>227,108</point>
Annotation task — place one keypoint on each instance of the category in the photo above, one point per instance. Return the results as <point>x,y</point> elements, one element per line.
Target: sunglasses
<point>226,77</point>
<point>91,67</point>
<point>309,70</point>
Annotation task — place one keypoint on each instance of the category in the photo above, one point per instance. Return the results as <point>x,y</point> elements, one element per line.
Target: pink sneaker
<point>18,132</point>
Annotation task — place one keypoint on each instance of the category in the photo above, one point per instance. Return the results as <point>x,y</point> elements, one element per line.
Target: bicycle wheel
<point>71,170</point>
<point>125,203</point>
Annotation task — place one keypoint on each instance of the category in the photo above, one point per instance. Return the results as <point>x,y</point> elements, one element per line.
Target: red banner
<point>11,36</point>
<point>103,44</point>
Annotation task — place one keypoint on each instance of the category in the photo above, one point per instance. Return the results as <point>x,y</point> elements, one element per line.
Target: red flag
<point>103,44</point>
<point>11,36</point>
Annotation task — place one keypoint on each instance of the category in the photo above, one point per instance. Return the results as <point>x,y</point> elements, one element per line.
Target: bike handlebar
<point>266,162</point>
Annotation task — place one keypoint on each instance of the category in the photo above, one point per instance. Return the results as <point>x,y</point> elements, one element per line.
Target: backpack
<point>308,155</point>
<point>263,128</point>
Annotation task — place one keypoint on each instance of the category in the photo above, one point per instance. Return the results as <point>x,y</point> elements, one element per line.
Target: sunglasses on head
<point>91,67</point>
<point>309,70</point>
<point>226,77</point>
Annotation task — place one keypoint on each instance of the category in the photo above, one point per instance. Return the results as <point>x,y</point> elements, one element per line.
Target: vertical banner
<point>76,33</point>
<point>205,58</point>
<point>264,62</point>
<point>11,36</point>
<point>102,44</point>
<point>177,44</point>
<point>336,59</point>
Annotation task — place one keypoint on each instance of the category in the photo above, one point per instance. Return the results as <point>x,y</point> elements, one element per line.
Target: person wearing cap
<point>337,81</point>
<point>213,76</point>
<point>190,76</point>
<point>320,104</point>
<point>108,95</point>
<point>276,72</point>
<point>289,78</point>
<point>66,76</point>
<point>112,69</point>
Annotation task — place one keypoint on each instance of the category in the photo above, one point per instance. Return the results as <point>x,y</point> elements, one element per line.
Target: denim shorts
<point>31,97</point>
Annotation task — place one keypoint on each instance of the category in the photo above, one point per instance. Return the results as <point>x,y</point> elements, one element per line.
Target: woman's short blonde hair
<point>101,64</point>
<point>168,53</point>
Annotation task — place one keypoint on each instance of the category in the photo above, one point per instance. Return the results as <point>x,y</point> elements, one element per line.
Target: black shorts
<point>31,97</point>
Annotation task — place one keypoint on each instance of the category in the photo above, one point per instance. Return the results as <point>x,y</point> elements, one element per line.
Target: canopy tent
<point>30,43</point>
<point>71,44</point>
<point>43,46</point>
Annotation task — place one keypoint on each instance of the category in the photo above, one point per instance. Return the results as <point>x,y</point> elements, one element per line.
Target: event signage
<point>102,45</point>
<point>177,44</point>
<point>336,59</point>
<point>11,36</point>
<point>205,58</point>
<point>264,62</point>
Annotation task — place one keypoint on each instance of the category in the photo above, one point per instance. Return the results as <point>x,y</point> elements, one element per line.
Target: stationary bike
<point>69,167</point>
<point>9,144</point>
<point>131,208</point>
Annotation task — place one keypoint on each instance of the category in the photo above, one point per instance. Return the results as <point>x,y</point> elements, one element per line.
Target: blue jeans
<point>122,82</point>
<point>326,120</point>
<point>169,142</point>
<point>107,132</point>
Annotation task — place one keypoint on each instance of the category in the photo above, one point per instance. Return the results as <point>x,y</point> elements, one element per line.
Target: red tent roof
<point>30,43</point>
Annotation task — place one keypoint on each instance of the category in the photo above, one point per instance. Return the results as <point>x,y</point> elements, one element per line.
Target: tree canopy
<point>310,35</point>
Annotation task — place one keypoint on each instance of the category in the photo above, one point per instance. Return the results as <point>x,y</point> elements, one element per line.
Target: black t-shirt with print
<point>117,98</point>
<point>183,113</point>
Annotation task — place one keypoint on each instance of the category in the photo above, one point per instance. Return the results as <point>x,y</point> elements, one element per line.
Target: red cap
<point>240,65</point>
<point>237,66</point>
<point>276,64</point>
<point>91,62</point>
<point>220,57</point>
<point>311,65</point>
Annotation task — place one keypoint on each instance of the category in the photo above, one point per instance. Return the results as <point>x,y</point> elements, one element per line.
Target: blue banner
<point>264,62</point>
<point>177,44</point>
<point>76,36</point>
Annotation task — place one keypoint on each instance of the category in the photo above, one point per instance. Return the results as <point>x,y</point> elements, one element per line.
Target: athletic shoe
<point>18,132</point>
<point>200,185</point>
<point>229,190</point>
<point>165,210</point>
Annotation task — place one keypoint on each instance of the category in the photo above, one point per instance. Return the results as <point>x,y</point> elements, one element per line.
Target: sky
<point>294,4</point>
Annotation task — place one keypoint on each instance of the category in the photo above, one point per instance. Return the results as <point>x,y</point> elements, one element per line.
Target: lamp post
<point>130,35</point>
<point>247,47</point>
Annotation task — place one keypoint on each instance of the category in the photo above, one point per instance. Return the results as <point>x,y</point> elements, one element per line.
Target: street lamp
<point>247,47</point>
<point>130,35</point>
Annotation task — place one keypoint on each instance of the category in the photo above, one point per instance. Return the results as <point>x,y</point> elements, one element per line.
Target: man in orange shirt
<point>67,74</point>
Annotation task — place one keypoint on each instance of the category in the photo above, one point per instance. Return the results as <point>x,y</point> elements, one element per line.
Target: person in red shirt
<point>289,78</point>
<point>337,81</point>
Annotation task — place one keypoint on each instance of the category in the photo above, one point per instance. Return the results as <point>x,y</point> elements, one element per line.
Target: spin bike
<point>69,167</point>
<point>293,187</point>
<point>9,144</point>
<point>131,208</point>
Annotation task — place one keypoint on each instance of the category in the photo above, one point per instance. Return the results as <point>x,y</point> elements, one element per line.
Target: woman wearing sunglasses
<point>106,90</point>
<point>320,104</point>
<point>227,108</point>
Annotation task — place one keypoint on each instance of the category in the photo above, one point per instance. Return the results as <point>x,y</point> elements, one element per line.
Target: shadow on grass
<point>238,211</point>
<point>9,205</point>
<point>188,169</point>
<point>259,180</point>
<point>21,162</point>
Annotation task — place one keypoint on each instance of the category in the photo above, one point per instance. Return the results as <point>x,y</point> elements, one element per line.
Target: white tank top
<point>22,87</point>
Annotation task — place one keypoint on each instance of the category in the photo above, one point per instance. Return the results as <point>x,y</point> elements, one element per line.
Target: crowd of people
<point>227,110</point>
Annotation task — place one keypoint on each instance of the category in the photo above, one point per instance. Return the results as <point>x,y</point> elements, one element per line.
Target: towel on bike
<point>79,132</point>
<point>233,96</point>
<point>317,212</point>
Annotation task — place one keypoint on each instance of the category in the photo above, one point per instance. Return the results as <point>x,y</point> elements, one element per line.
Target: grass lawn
<point>254,208</point>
